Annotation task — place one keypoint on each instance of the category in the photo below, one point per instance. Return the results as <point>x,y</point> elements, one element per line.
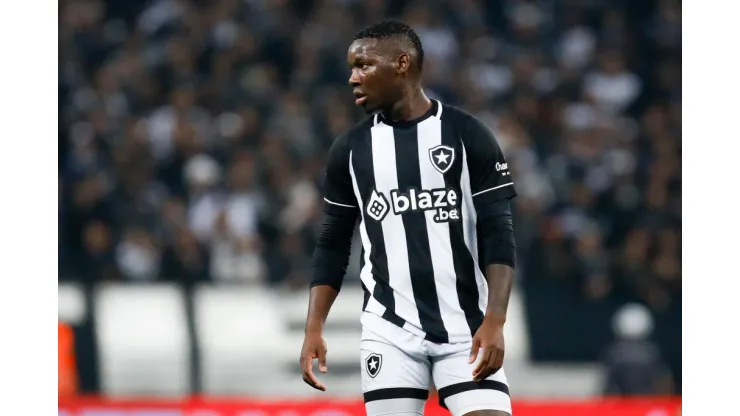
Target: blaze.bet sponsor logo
<point>444,202</point>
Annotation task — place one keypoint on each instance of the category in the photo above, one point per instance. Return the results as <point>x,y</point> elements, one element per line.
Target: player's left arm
<point>492,188</point>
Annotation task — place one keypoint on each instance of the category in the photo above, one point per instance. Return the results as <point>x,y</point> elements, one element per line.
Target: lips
<point>360,97</point>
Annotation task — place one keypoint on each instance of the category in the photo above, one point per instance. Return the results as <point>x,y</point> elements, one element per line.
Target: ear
<point>403,63</point>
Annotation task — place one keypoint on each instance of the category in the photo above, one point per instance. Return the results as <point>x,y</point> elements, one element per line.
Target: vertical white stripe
<point>394,233</point>
<point>429,133</point>
<point>366,274</point>
<point>470,220</point>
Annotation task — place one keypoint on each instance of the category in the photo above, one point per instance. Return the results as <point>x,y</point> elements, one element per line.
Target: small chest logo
<point>442,157</point>
<point>373,362</point>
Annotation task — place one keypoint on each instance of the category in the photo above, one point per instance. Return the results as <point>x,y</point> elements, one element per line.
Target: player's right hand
<point>314,347</point>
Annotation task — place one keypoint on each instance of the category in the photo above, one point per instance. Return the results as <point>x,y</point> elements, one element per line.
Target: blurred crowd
<point>193,133</point>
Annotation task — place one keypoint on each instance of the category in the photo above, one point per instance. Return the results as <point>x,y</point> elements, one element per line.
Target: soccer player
<point>431,190</point>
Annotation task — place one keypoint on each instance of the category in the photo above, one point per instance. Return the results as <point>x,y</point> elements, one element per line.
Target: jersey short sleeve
<point>338,189</point>
<point>490,177</point>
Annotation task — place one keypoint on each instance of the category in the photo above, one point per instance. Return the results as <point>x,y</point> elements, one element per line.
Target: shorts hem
<point>388,393</point>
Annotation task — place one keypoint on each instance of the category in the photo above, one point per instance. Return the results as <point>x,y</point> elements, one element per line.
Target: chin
<point>369,108</point>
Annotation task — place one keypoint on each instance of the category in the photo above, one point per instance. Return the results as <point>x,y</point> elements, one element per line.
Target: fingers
<point>322,360</point>
<point>474,350</point>
<point>312,381</point>
<point>491,361</point>
<point>480,369</point>
<point>308,376</point>
<point>498,361</point>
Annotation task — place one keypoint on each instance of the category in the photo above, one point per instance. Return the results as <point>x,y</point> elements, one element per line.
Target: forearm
<point>330,260</point>
<point>500,279</point>
<point>499,256</point>
<point>321,299</point>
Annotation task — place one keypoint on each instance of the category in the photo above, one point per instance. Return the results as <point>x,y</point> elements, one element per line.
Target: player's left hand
<point>490,338</point>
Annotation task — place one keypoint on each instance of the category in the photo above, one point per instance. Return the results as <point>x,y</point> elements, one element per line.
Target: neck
<point>413,105</point>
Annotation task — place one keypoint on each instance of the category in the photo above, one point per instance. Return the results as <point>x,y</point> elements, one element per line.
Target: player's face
<point>373,77</point>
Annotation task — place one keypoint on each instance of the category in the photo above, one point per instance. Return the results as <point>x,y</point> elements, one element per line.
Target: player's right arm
<point>331,256</point>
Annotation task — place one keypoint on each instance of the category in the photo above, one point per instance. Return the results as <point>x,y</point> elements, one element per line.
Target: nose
<point>354,78</point>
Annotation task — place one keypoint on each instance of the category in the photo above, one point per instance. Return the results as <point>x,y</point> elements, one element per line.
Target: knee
<point>487,413</point>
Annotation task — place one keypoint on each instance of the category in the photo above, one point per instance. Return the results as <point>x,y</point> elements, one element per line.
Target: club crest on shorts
<point>373,362</point>
<point>442,157</point>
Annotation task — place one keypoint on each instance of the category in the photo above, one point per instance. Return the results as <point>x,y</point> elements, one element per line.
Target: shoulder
<point>470,128</point>
<point>342,145</point>
<point>345,140</point>
<point>360,129</point>
<point>460,119</point>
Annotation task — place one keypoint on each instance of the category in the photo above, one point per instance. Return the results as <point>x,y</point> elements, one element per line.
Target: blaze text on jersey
<point>443,201</point>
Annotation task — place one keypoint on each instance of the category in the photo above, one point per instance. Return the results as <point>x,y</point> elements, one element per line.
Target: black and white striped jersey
<point>416,185</point>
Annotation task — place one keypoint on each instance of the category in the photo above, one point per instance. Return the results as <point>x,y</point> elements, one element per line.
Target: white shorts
<point>396,374</point>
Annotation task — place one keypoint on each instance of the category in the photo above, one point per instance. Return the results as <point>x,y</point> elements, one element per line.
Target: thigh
<point>453,377</point>
<point>393,381</point>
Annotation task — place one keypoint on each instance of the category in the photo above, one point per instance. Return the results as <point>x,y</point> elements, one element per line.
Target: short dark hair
<point>394,28</point>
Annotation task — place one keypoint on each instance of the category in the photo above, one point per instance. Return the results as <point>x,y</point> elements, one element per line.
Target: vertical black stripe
<point>365,291</point>
<point>417,238</point>
<point>362,161</point>
<point>467,288</point>
<point>365,297</point>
